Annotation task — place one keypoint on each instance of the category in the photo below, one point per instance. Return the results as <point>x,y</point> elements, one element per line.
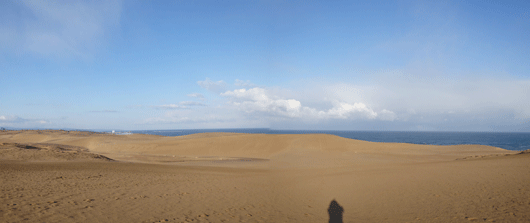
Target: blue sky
<point>341,65</point>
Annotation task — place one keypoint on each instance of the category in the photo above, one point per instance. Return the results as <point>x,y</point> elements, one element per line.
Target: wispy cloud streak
<point>61,29</point>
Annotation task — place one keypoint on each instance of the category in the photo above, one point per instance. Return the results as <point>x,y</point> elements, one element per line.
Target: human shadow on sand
<point>335,212</point>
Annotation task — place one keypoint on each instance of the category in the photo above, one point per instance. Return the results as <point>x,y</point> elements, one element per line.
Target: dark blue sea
<point>506,140</point>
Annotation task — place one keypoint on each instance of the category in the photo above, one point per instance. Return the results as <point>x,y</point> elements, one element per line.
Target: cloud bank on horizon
<point>401,66</point>
<point>481,103</point>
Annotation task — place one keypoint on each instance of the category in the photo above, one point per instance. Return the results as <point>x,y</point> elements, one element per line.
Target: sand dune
<point>217,146</point>
<point>46,152</point>
<point>58,176</point>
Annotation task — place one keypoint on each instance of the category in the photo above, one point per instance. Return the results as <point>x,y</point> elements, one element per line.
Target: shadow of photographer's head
<point>335,212</point>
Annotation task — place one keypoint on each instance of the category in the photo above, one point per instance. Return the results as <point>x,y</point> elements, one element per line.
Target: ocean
<point>507,140</point>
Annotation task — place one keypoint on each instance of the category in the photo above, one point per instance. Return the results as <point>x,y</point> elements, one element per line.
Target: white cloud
<point>16,121</point>
<point>261,102</point>
<point>4,118</point>
<point>344,110</point>
<point>196,95</point>
<point>436,100</point>
<point>192,103</point>
<point>436,93</point>
<point>214,86</point>
<point>390,100</point>
<point>62,29</point>
<point>257,100</point>
<point>387,115</point>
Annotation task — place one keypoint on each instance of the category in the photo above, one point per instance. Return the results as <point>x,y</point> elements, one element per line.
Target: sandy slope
<point>57,176</point>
